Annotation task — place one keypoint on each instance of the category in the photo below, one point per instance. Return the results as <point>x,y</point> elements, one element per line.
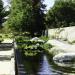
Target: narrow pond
<point>43,65</point>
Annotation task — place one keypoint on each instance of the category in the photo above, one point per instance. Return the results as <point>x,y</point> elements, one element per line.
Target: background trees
<point>2,13</point>
<point>62,14</point>
<point>27,15</point>
<point>38,16</point>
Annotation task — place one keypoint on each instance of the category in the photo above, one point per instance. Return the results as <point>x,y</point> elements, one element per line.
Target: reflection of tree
<point>32,64</point>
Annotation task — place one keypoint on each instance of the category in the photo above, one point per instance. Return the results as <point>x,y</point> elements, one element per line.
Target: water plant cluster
<point>29,47</point>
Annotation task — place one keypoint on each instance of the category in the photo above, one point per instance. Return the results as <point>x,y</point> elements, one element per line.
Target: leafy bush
<point>21,39</point>
<point>9,35</point>
<point>45,38</point>
<point>1,39</point>
<point>30,53</point>
<point>28,47</point>
<point>25,34</point>
<point>47,46</point>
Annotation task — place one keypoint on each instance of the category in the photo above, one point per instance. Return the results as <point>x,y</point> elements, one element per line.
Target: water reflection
<point>61,70</point>
<point>32,64</point>
<point>43,65</point>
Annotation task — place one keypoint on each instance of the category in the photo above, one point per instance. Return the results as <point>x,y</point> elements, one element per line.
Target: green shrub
<point>30,53</point>
<point>47,46</point>
<point>6,35</point>
<point>1,39</point>
<point>21,39</point>
<point>44,38</point>
<point>0,36</point>
<point>28,47</point>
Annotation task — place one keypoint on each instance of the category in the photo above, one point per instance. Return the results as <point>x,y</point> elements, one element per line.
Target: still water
<point>43,65</point>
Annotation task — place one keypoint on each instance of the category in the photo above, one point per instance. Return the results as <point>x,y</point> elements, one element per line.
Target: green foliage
<point>1,39</point>
<point>26,15</point>
<point>19,14</point>
<point>47,46</point>
<point>2,13</point>
<point>25,34</point>
<point>21,39</point>
<point>30,53</point>
<point>29,48</point>
<point>4,36</point>
<point>10,35</point>
<point>45,38</point>
<point>61,14</point>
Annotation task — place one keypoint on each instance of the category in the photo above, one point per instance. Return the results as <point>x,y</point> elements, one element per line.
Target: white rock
<point>71,37</point>
<point>56,50</point>
<point>36,39</point>
<point>65,59</point>
<point>63,35</point>
<point>66,33</point>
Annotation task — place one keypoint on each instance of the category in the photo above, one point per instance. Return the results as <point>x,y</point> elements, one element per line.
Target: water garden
<point>37,41</point>
<point>38,57</point>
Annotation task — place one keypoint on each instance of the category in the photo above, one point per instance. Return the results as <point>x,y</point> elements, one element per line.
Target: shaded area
<point>19,63</point>
<point>41,64</point>
<point>38,65</point>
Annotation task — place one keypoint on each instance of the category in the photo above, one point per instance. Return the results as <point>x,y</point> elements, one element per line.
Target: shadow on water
<point>38,65</point>
<point>42,64</point>
<point>32,64</point>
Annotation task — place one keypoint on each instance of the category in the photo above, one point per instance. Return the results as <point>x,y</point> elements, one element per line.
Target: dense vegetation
<point>28,47</point>
<point>27,19</point>
<point>61,14</point>
<point>27,16</point>
<point>3,13</point>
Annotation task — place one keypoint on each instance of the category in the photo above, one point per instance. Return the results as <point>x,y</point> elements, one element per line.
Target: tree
<point>16,15</point>
<point>2,13</point>
<point>61,14</point>
<point>26,15</point>
<point>38,16</point>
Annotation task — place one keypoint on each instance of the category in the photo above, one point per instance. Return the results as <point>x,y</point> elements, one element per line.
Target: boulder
<point>56,50</point>
<point>71,37</point>
<point>65,59</point>
<point>63,35</point>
